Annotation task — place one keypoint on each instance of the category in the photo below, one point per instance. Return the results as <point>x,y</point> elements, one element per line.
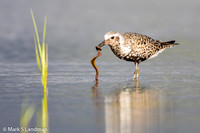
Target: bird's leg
<point>136,73</point>
<point>138,70</point>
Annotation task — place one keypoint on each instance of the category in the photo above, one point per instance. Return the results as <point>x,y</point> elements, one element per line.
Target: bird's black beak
<point>102,44</point>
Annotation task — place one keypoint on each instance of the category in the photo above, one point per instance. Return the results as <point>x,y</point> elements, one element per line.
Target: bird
<point>134,47</point>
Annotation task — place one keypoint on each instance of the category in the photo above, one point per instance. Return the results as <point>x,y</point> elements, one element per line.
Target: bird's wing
<point>138,39</point>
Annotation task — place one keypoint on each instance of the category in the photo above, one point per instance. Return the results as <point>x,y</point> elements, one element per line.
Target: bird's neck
<point>116,48</point>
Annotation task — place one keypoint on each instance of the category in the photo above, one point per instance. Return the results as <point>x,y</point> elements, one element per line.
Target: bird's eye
<point>112,37</point>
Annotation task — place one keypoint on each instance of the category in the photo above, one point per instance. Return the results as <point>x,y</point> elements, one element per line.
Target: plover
<point>135,47</point>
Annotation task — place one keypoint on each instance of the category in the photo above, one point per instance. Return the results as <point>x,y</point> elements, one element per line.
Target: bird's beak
<point>102,44</point>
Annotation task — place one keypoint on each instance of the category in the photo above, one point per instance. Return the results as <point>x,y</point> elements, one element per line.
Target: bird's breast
<point>123,52</point>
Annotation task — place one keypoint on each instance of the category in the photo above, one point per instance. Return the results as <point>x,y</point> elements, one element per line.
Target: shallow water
<point>165,99</point>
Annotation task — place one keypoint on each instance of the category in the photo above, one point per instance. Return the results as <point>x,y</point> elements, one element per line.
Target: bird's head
<point>112,38</point>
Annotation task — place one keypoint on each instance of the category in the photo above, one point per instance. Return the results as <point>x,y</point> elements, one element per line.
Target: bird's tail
<point>169,44</point>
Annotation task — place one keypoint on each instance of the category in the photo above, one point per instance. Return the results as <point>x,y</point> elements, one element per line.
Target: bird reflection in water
<point>131,109</point>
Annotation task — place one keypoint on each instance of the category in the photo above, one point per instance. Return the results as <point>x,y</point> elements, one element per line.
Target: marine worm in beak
<point>92,61</point>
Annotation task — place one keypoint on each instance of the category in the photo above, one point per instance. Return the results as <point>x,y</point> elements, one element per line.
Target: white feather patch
<point>156,54</point>
<point>125,49</point>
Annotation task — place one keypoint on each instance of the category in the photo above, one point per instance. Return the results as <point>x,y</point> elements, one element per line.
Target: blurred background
<point>75,27</point>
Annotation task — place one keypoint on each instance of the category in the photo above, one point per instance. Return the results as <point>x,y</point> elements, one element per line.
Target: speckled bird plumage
<point>134,47</point>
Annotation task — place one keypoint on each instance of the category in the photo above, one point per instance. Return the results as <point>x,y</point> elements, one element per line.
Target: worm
<point>92,61</point>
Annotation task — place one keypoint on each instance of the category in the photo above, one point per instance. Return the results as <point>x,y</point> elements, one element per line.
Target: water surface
<point>158,102</point>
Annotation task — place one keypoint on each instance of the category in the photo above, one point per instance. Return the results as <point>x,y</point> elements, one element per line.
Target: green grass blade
<point>46,64</point>
<point>43,45</point>
<point>36,31</point>
<point>44,31</point>
<point>43,58</point>
<point>37,55</point>
<point>46,58</point>
<point>44,75</point>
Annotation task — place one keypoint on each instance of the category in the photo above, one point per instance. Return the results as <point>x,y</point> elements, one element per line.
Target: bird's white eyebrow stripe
<point>108,36</point>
